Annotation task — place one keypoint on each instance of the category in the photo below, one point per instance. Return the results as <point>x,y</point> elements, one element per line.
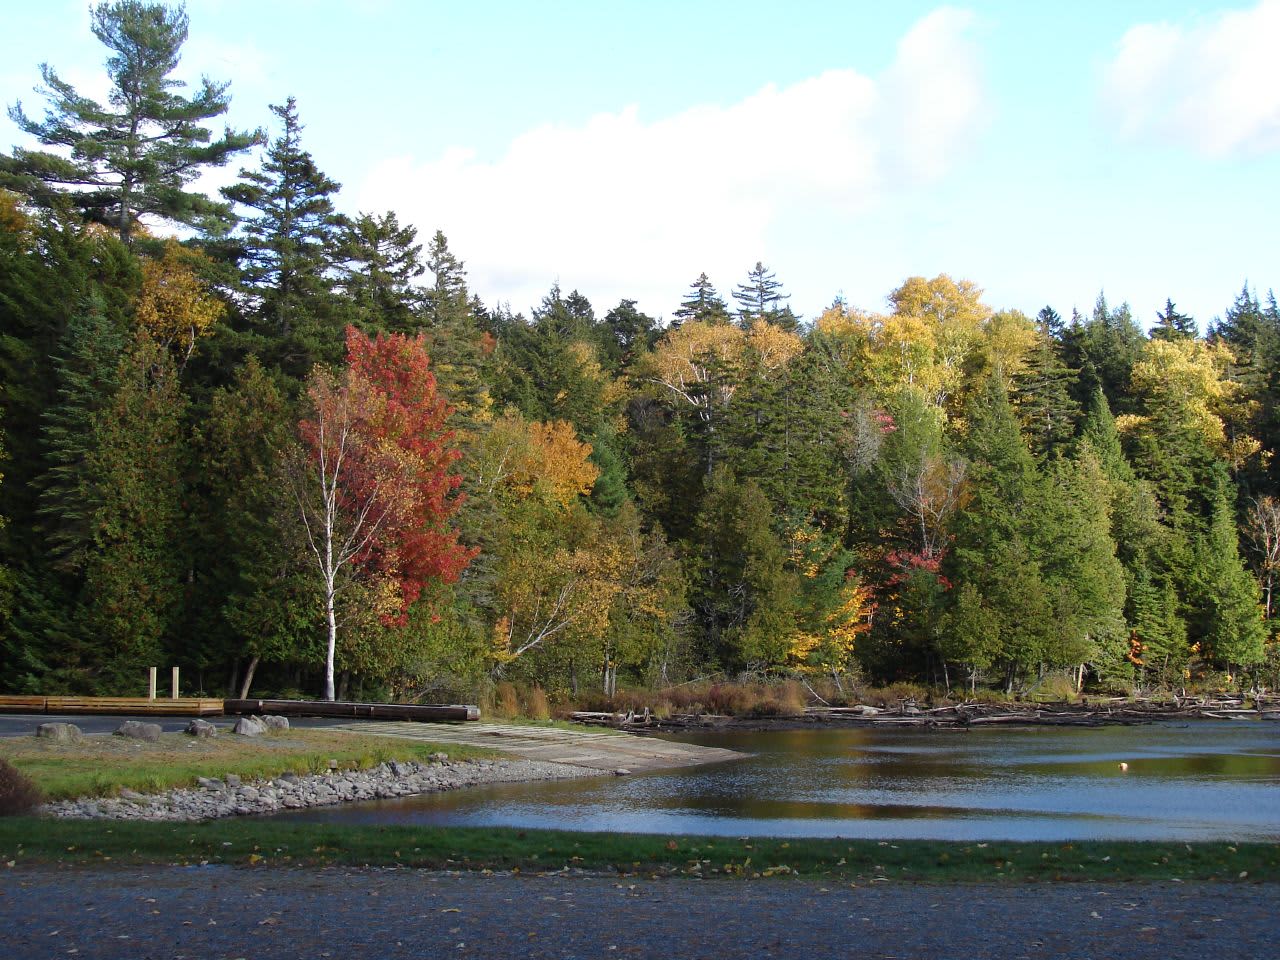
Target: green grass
<point>264,843</point>
<point>100,766</point>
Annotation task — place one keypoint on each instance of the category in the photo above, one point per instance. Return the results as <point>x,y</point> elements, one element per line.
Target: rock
<point>59,732</point>
<point>622,772</point>
<point>274,724</point>
<point>233,780</point>
<point>249,727</point>
<point>210,783</point>
<point>127,794</point>
<point>201,729</point>
<point>439,757</point>
<point>138,730</point>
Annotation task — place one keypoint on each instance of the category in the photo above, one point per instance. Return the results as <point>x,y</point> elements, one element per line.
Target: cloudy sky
<point>623,148</point>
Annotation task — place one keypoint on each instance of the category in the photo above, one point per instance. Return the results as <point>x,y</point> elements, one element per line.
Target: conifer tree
<point>761,299</point>
<point>1042,396</point>
<point>702,304</point>
<point>134,476</point>
<point>1172,325</point>
<point>286,249</point>
<point>135,156</point>
<point>379,262</point>
<point>88,368</point>
<point>1229,614</point>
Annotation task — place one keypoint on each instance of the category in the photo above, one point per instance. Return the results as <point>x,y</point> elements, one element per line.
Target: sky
<point>1047,152</point>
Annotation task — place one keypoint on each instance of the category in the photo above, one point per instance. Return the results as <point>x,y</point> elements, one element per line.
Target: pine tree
<point>702,304</point>
<point>761,299</point>
<point>134,157</point>
<point>286,249</point>
<point>1172,325</point>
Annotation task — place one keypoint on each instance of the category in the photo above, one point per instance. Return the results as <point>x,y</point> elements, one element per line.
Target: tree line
<point>286,447</point>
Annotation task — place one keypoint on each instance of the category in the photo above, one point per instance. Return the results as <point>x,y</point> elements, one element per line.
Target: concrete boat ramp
<point>605,752</point>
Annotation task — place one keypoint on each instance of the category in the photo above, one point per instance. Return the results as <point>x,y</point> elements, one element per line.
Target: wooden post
<point>151,683</point>
<point>174,685</point>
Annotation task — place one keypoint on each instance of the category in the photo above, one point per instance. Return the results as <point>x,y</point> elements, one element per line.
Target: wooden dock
<point>160,706</point>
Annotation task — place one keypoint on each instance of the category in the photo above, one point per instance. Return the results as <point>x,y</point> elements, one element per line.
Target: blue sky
<point>1044,152</point>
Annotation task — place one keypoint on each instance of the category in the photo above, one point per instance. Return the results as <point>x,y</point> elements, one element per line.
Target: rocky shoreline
<point>231,797</point>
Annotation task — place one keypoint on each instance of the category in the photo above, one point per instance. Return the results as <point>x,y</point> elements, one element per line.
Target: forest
<point>291,451</point>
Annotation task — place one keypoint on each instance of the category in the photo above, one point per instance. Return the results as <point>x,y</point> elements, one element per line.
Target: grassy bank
<point>102,765</point>
<point>262,843</point>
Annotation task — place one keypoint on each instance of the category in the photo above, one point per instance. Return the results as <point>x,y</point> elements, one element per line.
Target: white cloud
<point>624,206</point>
<point>1212,84</point>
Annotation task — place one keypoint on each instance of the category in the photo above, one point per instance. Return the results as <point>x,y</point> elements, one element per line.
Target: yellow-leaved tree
<point>175,307</point>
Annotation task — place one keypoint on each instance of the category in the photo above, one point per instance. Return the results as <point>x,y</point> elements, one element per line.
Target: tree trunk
<point>331,649</point>
<point>248,678</point>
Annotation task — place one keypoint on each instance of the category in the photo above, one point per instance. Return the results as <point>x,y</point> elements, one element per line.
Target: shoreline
<point>962,716</point>
<point>219,798</point>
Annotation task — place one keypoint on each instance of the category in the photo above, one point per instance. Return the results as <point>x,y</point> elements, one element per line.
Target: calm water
<point>1184,782</point>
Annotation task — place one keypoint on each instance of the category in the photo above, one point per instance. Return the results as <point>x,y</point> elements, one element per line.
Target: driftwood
<point>1089,712</point>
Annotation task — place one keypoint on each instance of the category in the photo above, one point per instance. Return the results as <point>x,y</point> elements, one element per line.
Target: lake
<point>1186,781</point>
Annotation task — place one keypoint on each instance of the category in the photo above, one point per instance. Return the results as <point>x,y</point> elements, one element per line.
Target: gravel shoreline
<point>231,797</point>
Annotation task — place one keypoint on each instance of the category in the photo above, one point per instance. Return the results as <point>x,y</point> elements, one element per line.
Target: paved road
<point>222,912</point>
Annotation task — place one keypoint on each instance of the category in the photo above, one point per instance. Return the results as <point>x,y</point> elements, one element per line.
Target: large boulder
<point>201,728</point>
<point>138,730</point>
<point>275,724</point>
<point>59,732</point>
<point>249,727</point>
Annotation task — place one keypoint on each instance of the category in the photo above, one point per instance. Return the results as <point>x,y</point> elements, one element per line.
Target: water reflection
<point>1183,782</point>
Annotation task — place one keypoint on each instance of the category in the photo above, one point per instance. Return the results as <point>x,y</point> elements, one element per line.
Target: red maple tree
<point>375,492</point>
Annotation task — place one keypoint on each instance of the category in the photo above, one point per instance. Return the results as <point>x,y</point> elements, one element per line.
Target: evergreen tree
<point>1228,612</point>
<point>626,331</point>
<point>702,304</point>
<point>461,349</point>
<point>447,301</point>
<point>761,299</point>
<point>995,540</point>
<point>1042,395</point>
<point>380,260</point>
<point>746,597</point>
<point>1104,348</point>
<point>88,368</point>
<point>254,597</point>
<point>1172,325</point>
<point>134,157</point>
<point>134,476</point>
<point>286,249</point>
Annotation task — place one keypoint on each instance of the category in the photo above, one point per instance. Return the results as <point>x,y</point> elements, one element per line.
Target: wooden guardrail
<point>185,707</point>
